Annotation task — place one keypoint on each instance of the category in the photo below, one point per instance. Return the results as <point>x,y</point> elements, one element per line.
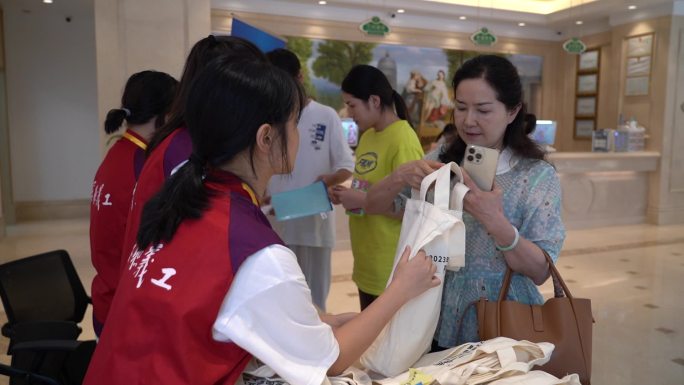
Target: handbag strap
<point>557,280</point>
<point>555,275</point>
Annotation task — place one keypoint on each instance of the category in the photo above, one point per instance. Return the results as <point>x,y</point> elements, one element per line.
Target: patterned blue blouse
<point>532,203</point>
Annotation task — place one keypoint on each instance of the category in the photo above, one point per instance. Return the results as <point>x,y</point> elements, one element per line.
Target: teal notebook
<point>310,200</point>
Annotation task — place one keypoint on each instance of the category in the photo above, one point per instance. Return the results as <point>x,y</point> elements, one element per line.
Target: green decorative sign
<point>483,37</point>
<point>574,45</point>
<point>375,27</point>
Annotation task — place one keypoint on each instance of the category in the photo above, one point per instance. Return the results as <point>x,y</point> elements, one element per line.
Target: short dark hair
<point>147,94</point>
<point>201,54</point>
<point>286,60</point>
<point>502,76</point>
<point>226,105</point>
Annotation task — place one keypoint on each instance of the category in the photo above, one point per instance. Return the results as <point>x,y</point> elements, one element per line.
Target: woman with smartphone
<point>507,226</point>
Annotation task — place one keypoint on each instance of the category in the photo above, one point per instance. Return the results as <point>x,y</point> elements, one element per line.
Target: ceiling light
<point>579,22</point>
<point>521,24</point>
<point>462,18</point>
<point>47,1</point>
<point>632,7</point>
<point>322,2</point>
<point>400,10</point>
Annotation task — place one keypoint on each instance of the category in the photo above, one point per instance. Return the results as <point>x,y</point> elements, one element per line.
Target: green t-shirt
<point>374,238</point>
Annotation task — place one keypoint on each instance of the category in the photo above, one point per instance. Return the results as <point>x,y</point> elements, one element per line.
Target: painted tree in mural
<point>303,48</point>
<point>336,58</point>
<point>456,59</point>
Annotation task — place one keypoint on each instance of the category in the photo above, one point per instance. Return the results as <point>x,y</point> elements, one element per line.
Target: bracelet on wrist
<point>512,245</point>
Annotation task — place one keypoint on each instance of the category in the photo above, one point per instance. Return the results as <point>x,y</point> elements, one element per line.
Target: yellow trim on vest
<point>135,140</point>
<point>251,193</point>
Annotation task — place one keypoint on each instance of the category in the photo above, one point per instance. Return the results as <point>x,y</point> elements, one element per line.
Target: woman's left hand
<point>485,206</point>
<point>349,198</point>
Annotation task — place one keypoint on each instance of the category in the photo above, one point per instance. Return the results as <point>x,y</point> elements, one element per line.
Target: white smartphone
<point>480,163</point>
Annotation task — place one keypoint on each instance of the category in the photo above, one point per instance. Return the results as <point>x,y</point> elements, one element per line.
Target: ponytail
<point>227,103</point>
<point>147,95</point>
<point>114,120</point>
<point>183,196</point>
<point>400,107</point>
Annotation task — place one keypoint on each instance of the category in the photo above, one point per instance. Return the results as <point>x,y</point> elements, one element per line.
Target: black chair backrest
<point>43,287</point>
<point>18,376</point>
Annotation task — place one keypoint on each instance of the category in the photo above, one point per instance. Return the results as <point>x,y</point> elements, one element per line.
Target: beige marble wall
<point>135,35</point>
<point>666,203</point>
<point>4,148</point>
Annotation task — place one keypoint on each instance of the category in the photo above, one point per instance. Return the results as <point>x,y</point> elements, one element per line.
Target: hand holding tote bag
<point>565,322</point>
<point>439,230</point>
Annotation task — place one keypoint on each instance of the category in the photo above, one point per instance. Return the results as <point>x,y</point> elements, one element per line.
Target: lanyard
<point>135,140</point>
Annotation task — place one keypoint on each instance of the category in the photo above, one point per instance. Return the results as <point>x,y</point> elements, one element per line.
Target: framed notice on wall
<point>588,61</point>
<point>641,45</point>
<point>638,63</point>
<point>586,106</point>
<point>587,92</point>
<point>584,128</point>
<point>587,84</point>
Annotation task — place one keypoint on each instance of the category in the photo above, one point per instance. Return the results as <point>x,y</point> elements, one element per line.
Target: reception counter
<point>603,189</point>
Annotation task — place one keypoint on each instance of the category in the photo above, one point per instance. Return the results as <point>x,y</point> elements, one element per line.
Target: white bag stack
<point>537,377</point>
<point>479,363</point>
<point>438,229</point>
<point>256,373</point>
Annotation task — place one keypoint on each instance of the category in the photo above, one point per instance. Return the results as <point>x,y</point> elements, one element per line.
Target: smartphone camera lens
<point>478,156</point>
<point>470,158</point>
<point>471,150</point>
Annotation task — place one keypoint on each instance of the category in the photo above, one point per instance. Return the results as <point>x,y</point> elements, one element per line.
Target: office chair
<point>63,361</point>
<point>43,287</point>
<point>22,376</point>
<point>45,300</point>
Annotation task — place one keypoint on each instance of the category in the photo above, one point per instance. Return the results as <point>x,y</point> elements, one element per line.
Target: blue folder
<point>310,200</point>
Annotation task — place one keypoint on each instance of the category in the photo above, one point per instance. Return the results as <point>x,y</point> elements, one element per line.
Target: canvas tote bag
<point>476,363</point>
<point>564,321</point>
<point>438,229</point>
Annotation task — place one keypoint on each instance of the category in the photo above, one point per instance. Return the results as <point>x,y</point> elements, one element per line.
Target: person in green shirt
<point>388,140</point>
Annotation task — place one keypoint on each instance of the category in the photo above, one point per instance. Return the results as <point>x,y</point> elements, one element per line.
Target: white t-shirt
<point>269,313</point>
<point>323,149</point>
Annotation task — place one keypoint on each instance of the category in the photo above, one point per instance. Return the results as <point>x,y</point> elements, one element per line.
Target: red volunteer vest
<point>159,329</point>
<point>111,199</point>
<point>171,152</point>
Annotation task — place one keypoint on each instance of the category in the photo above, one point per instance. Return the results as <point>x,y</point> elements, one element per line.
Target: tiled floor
<point>633,274</point>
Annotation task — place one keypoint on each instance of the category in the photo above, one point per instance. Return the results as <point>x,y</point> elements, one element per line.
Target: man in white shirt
<point>323,155</point>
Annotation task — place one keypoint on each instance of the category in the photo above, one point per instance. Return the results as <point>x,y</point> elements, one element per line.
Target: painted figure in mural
<point>413,94</point>
<point>437,102</point>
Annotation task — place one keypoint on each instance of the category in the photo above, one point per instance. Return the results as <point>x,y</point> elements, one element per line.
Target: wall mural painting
<point>421,75</point>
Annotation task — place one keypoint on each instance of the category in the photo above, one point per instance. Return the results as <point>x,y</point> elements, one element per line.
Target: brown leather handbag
<point>564,321</point>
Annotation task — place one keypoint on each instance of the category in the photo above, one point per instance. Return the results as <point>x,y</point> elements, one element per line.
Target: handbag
<point>438,229</point>
<point>564,321</point>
